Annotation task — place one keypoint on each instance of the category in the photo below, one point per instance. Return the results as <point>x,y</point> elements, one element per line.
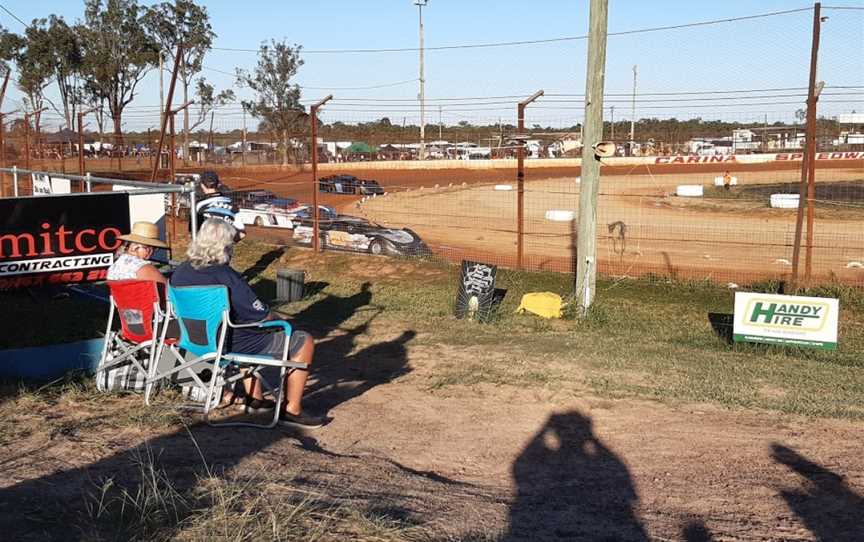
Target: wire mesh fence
<point>702,184</point>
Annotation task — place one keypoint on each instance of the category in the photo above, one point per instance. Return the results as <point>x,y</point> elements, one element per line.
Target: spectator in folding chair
<point>209,256</point>
<point>131,261</point>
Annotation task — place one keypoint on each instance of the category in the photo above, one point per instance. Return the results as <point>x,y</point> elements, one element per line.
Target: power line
<point>368,87</point>
<point>14,16</point>
<point>530,42</point>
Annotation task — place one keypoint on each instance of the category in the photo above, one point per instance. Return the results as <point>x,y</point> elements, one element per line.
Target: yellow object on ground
<point>545,304</point>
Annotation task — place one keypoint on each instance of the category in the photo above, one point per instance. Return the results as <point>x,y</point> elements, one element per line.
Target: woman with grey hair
<point>209,256</point>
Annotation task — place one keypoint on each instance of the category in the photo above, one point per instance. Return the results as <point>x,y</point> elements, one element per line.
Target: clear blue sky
<point>750,54</point>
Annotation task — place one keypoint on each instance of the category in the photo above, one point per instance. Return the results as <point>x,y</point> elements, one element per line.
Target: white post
<point>15,180</point>
<point>88,183</point>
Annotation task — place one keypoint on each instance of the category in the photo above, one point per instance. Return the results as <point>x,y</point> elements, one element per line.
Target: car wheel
<point>376,247</point>
<point>259,221</point>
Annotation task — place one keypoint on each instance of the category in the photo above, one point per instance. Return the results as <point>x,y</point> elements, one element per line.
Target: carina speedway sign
<point>786,319</point>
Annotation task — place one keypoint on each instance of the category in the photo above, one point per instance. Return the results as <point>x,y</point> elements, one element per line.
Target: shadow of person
<point>60,505</point>
<point>263,263</point>
<point>326,315</point>
<point>340,377</point>
<point>696,531</point>
<point>570,486</point>
<point>827,506</point>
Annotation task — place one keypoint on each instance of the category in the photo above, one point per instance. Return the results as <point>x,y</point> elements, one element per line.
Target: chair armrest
<point>278,323</point>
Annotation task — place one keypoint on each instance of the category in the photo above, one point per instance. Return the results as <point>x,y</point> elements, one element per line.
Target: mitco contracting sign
<point>59,239</point>
<point>786,319</point>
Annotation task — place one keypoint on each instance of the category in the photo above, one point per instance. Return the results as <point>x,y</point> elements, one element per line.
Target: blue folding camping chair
<point>203,313</point>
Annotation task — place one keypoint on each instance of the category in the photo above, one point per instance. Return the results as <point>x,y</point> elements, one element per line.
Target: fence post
<point>15,180</point>
<point>193,211</point>
<point>520,178</point>
<point>808,167</point>
<point>88,183</point>
<point>316,246</point>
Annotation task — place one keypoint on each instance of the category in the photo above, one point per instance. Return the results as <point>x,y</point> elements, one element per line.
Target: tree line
<point>97,62</point>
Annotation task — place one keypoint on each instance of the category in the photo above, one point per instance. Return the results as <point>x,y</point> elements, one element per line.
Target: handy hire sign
<point>786,319</point>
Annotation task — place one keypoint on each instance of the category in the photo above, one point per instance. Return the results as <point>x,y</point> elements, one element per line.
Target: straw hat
<point>145,233</point>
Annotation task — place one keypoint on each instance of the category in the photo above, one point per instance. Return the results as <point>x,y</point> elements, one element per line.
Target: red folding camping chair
<point>131,350</point>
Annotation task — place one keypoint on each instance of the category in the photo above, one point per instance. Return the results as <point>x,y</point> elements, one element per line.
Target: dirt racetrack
<point>642,226</point>
<point>713,237</point>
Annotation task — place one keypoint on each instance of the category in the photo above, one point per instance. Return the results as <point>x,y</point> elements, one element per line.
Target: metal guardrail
<point>141,187</point>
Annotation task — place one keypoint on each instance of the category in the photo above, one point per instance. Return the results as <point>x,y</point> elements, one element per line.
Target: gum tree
<point>277,99</point>
<point>117,54</point>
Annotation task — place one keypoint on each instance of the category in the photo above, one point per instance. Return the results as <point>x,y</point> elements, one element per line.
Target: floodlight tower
<point>422,152</point>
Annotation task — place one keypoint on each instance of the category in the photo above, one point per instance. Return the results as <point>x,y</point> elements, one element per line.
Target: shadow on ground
<point>570,486</point>
<point>826,505</point>
<point>55,506</point>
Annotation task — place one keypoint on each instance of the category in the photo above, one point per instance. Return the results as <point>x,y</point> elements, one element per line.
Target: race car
<point>349,184</point>
<point>357,234</point>
<point>279,213</point>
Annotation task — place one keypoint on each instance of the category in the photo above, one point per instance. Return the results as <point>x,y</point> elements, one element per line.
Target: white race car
<point>279,213</point>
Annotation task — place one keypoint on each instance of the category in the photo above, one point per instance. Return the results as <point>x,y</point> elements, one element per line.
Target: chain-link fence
<point>703,183</point>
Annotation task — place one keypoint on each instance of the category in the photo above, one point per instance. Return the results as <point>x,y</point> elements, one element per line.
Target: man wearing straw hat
<point>131,261</point>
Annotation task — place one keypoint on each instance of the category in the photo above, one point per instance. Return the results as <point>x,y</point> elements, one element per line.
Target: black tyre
<point>376,247</point>
<point>259,221</point>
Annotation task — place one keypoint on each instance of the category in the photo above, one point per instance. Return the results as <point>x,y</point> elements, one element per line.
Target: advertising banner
<point>57,239</point>
<point>149,208</point>
<point>45,185</point>
<point>786,319</point>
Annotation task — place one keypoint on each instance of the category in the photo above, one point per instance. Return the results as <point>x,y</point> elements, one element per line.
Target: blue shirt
<point>245,305</point>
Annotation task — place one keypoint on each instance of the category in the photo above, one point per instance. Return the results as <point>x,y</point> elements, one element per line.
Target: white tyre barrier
<point>785,201</point>
<point>503,187</point>
<point>689,190</point>
<point>855,265</point>
<point>718,181</point>
<point>557,215</point>
<point>578,180</point>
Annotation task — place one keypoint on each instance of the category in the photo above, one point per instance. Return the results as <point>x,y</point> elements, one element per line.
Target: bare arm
<point>149,272</point>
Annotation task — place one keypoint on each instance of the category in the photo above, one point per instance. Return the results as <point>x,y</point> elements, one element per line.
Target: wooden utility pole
<point>3,151</point>
<point>520,177</point>
<point>81,138</point>
<point>167,108</point>
<point>26,140</point>
<point>313,114</point>
<point>807,189</point>
<point>586,246</point>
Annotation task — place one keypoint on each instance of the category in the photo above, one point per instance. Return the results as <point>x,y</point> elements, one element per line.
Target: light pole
<point>633,112</point>
<point>612,138</point>
<point>422,152</point>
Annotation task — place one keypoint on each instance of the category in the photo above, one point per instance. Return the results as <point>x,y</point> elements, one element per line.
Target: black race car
<point>357,234</point>
<point>349,184</point>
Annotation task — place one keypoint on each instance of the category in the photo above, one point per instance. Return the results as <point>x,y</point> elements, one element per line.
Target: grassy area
<point>646,338</point>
